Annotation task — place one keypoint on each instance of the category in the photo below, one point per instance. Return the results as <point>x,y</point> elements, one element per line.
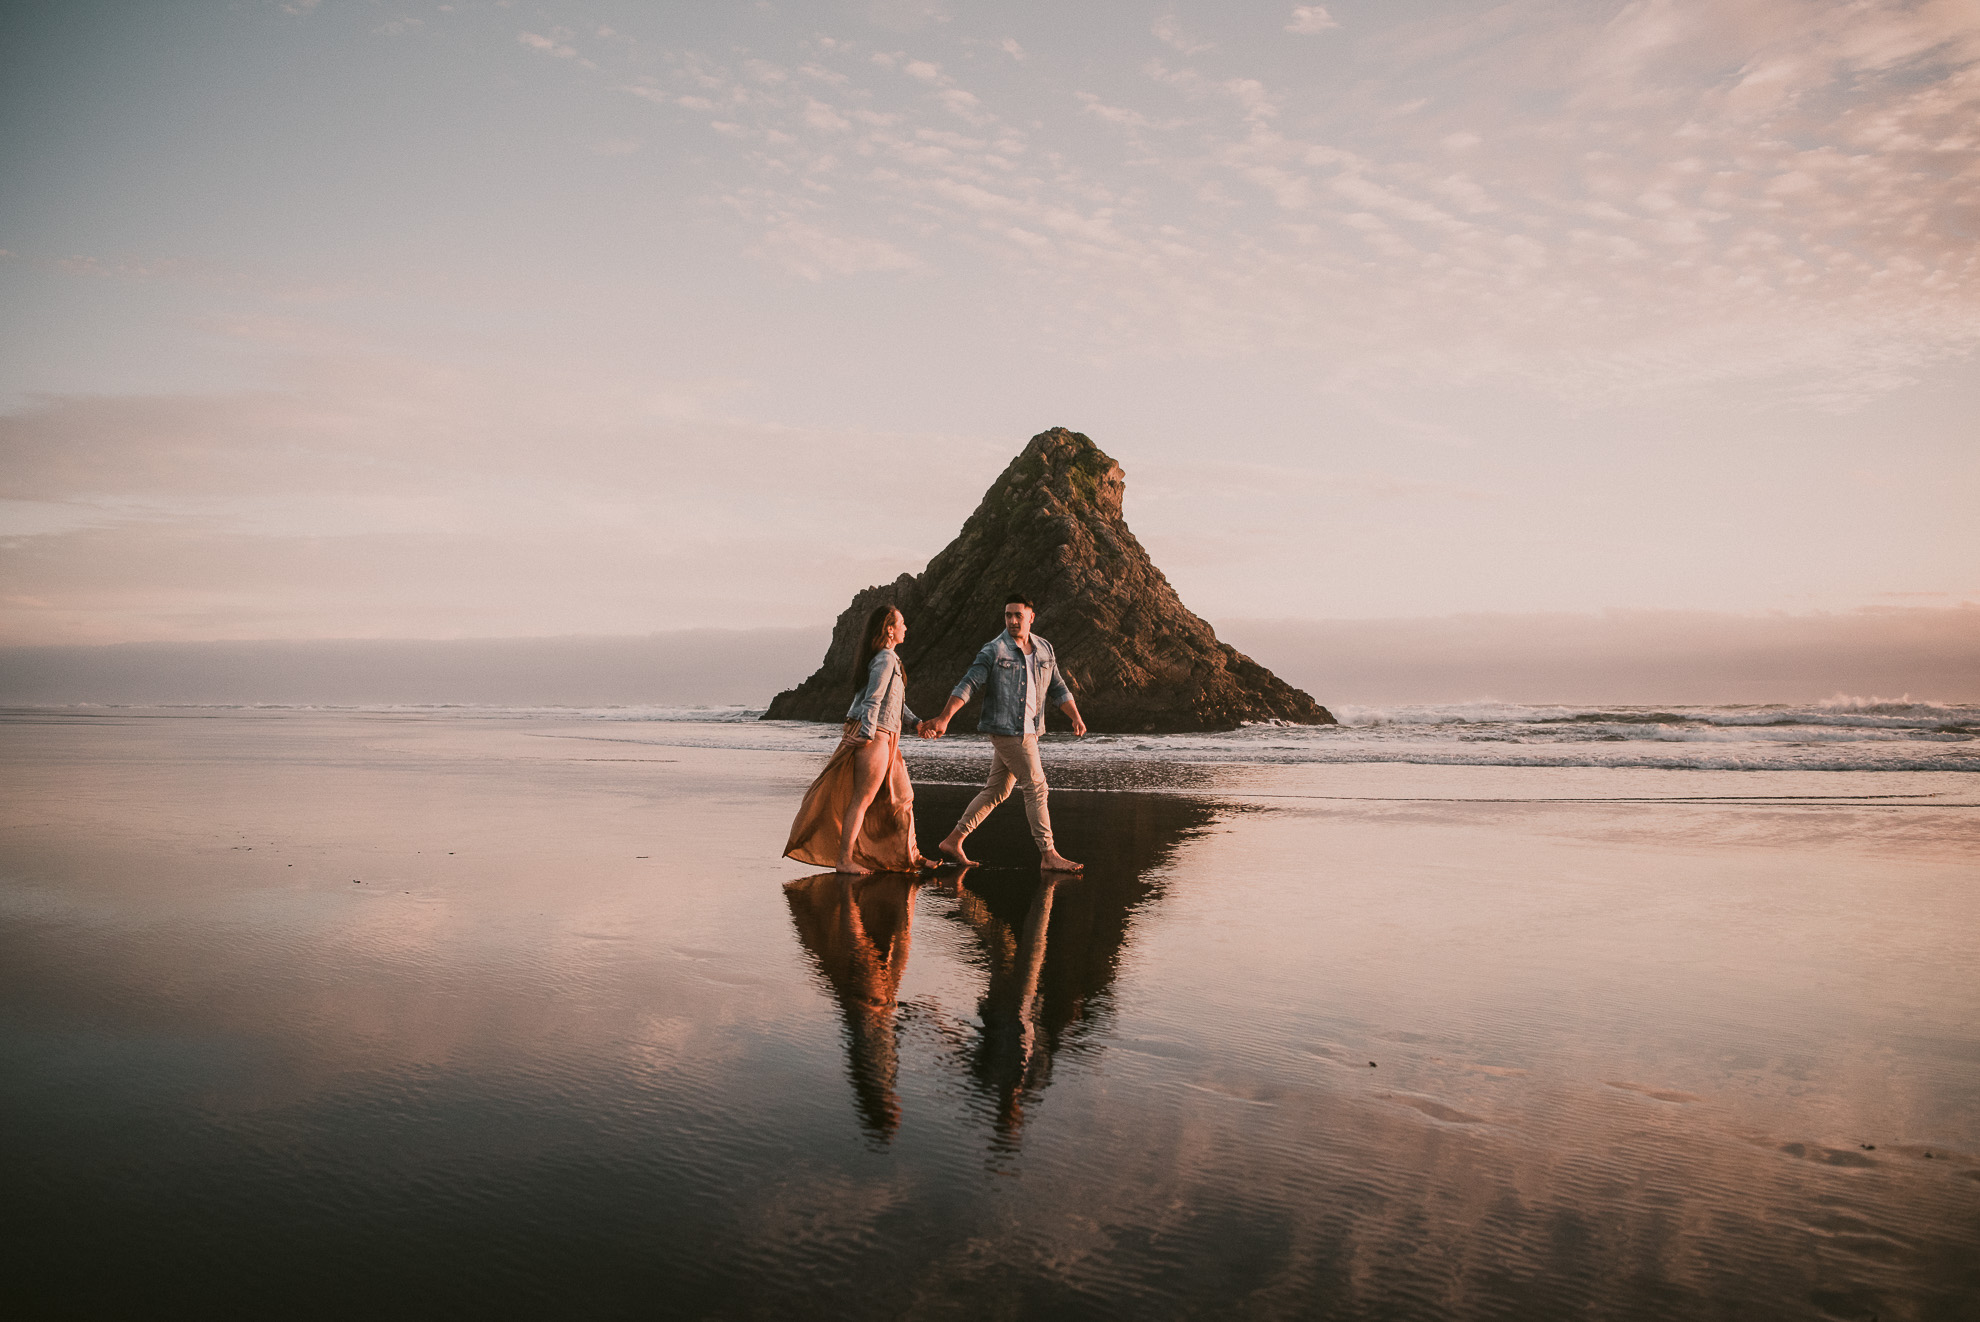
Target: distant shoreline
<point>1625,658</point>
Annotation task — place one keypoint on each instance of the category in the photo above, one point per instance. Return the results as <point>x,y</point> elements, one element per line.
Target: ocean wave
<point>1842,734</point>
<point>1722,758</point>
<point>1841,711</point>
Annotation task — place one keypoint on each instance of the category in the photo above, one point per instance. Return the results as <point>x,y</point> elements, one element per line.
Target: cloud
<point>1310,20</point>
<point>822,117</point>
<point>815,253</point>
<point>908,15</point>
<point>548,45</point>
<point>1168,30</point>
<point>1655,199</point>
<point>1121,115</point>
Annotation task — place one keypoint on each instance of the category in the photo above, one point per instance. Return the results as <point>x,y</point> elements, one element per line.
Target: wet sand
<point>327,1014</point>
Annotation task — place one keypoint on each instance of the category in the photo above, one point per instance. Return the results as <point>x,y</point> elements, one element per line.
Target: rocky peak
<point>1061,470</point>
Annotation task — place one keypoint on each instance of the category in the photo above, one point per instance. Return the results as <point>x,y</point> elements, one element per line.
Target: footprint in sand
<point>1827,1156</point>
<point>1661,1094</point>
<point>1436,1110</point>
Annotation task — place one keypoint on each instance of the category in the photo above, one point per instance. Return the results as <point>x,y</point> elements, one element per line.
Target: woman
<point>858,816</point>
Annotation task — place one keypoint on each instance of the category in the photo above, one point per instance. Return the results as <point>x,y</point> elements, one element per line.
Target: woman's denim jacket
<point>883,702</point>
<point>1000,666</point>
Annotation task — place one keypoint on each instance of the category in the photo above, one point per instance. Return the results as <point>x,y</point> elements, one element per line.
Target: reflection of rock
<point>859,931</point>
<point>1051,526</point>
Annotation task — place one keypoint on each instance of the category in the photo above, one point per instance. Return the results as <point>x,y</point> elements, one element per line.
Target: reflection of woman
<point>858,816</point>
<point>860,932</point>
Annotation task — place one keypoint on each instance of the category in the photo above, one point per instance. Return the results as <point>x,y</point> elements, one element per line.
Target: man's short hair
<point>1019,599</point>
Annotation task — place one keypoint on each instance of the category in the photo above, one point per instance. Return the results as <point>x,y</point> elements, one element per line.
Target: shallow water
<point>415,1013</point>
<point>1844,734</point>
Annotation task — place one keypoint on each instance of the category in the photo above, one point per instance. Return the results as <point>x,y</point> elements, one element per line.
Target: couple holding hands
<point>858,816</point>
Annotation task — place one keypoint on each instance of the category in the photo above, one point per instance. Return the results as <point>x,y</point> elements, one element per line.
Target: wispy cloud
<point>1524,305</point>
<point>557,44</point>
<point>1309,20</point>
<point>1168,30</point>
<point>1682,195</point>
<point>815,253</point>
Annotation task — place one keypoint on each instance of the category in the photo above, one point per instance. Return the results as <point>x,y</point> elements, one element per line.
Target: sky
<point>346,319</point>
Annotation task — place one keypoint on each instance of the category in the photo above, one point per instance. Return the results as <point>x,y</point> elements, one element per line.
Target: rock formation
<point>1051,527</point>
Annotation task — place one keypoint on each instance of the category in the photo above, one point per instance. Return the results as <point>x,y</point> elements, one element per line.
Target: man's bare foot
<point>848,868</point>
<point>1054,861</point>
<point>951,849</point>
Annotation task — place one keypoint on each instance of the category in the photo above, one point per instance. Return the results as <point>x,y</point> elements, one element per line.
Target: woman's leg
<point>900,787</point>
<point>871,762</point>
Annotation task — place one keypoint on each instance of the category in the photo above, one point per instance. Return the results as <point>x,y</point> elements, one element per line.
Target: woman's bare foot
<point>1054,861</point>
<point>951,849</point>
<point>848,868</point>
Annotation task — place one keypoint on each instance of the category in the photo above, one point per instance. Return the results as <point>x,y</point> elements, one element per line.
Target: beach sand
<point>328,1014</point>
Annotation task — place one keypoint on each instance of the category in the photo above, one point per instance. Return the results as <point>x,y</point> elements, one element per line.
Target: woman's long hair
<point>869,642</point>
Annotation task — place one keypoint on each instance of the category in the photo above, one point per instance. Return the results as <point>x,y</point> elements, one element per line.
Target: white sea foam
<point>1889,713</point>
<point>1841,734</point>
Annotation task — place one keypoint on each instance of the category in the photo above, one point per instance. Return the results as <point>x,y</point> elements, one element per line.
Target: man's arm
<point>1071,709</point>
<point>1060,694</point>
<point>974,678</point>
<point>938,727</point>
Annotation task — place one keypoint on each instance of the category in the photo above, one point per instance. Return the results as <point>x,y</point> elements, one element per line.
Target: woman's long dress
<point>886,839</point>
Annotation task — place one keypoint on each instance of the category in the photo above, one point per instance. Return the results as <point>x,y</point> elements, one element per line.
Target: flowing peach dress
<point>886,839</point>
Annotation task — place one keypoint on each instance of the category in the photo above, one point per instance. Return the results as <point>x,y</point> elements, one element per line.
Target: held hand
<point>934,729</point>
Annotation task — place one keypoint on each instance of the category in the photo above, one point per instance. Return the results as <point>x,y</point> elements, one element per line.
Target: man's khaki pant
<point>1013,761</point>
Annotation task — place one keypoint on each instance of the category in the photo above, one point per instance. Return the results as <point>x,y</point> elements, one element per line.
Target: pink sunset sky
<point>341,318</point>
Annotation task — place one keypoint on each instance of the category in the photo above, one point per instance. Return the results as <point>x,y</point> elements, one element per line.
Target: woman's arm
<point>866,708</point>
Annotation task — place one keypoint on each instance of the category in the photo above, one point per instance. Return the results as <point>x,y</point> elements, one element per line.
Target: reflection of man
<point>1019,674</point>
<point>1007,1059</point>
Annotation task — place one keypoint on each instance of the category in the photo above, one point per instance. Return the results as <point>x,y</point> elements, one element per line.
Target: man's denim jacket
<point>1000,666</point>
<point>883,701</point>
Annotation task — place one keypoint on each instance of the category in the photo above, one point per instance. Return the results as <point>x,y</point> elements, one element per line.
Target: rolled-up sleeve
<point>975,677</point>
<point>1056,693</point>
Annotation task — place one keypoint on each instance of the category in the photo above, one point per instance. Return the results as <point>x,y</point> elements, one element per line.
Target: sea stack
<point>1051,526</point>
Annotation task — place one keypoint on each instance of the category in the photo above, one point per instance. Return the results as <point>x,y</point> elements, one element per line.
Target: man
<point>1020,676</point>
